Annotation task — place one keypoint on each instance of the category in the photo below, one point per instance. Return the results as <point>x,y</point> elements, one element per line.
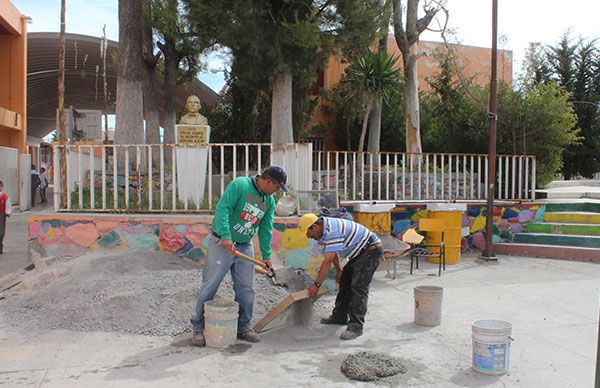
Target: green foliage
<point>576,67</point>
<point>545,127</point>
<point>450,121</point>
<point>536,119</point>
<point>242,117</point>
<point>170,26</point>
<point>372,75</point>
<point>268,36</point>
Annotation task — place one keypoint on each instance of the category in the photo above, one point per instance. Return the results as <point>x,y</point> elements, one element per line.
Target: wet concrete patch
<point>371,366</point>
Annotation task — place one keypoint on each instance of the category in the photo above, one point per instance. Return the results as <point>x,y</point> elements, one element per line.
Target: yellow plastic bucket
<point>452,215</point>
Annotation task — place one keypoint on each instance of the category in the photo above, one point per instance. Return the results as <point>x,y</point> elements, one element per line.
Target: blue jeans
<point>218,263</point>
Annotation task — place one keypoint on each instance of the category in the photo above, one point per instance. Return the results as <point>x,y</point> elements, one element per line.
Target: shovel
<point>284,276</point>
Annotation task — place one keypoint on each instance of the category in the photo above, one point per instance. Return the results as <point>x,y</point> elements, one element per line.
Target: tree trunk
<point>376,112</point>
<point>348,142</point>
<point>62,135</point>
<point>170,85</point>
<point>363,132</point>
<point>282,132</point>
<point>411,95</point>
<point>151,114</point>
<point>129,114</point>
<point>375,126</point>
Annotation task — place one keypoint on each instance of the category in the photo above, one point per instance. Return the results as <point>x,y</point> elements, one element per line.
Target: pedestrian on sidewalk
<point>5,211</point>
<point>43,185</point>
<point>35,183</point>
<point>363,250</point>
<point>245,209</point>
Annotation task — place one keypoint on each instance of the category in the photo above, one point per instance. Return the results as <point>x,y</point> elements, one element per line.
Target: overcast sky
<point>519,22</point>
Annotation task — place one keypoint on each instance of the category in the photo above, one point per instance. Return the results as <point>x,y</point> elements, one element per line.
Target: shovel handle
<point>250,259</point>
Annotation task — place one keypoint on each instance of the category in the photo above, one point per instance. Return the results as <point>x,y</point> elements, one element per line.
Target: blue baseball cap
<point>278,174</point>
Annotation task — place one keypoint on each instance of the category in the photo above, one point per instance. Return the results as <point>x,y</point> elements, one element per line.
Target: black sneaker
<point>331,320</point>
<point>249,336</point>
<point>350,334</point>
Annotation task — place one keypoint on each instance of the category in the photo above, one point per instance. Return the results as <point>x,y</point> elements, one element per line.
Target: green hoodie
<point>242,211</point>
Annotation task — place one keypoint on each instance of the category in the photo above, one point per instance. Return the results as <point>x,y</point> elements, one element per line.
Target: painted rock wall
<point>55,235</point>
<point>508,220</point>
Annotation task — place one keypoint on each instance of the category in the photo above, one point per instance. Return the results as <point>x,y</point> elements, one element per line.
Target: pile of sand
<point>369,366</point>
<point>130,291</point>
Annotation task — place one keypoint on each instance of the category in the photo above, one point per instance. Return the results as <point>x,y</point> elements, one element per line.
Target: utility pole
<point>62,135</point>
<point>103,51</point>
<point>488,253</point>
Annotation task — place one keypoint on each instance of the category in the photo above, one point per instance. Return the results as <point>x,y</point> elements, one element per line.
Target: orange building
<point>13,77</point>
<point>475,63</point>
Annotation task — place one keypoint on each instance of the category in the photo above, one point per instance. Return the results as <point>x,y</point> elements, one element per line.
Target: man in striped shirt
<point>350,240</point>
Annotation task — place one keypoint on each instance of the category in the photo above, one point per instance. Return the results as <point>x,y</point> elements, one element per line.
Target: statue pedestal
<point>192,161</point>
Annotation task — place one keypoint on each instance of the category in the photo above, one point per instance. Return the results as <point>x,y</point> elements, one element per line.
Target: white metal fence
<point>387,176</point>
<point>152,178</point>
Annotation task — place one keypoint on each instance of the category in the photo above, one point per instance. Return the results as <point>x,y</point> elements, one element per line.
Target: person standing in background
<point>43,185</point>
<point>35,183</point>
<point>5,211</point>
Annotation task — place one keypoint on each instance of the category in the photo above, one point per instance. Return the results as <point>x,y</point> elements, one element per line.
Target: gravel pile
<point>135,292</point>
<point>370,366</point>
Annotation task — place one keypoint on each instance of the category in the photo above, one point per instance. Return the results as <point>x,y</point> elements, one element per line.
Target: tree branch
<point>425,20</point>
<point>399,33</point>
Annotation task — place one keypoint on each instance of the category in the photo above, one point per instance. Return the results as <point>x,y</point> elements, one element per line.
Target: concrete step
<point>573,217</point>
<point>563,228</point>
<point>590,207</point>
<point>549,251</point>
<point>557,239</point>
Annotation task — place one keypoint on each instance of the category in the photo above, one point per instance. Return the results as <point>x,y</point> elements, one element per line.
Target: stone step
<point>563,228</point>
<point>573,217</point>
<point>590,207</point>
<point>557,239</point>
<point>548,251</point>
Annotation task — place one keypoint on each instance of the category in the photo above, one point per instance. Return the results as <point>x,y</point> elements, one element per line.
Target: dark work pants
<point>353,293</point>
<point>2,229</point>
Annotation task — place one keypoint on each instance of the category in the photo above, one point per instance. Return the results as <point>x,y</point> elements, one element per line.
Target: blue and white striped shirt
<point>346,238</point>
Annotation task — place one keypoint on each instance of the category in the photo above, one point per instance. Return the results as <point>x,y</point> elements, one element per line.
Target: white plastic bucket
<point>491,346</point>
<point>220,323</point>
<point>428,305</point>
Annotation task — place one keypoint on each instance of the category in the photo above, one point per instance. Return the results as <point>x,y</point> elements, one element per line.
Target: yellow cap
<point>306,221</point>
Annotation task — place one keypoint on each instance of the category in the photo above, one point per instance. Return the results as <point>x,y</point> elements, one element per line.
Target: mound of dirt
<point>129,291</point>
<point>370,366</point>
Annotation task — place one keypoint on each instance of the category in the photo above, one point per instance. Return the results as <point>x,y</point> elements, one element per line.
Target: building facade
<point>13,77</point>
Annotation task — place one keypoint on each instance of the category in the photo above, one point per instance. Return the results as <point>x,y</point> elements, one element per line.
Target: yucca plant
<point>371,76</point>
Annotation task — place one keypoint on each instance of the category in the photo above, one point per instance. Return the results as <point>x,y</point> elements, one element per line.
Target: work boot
<point>248,336</point>
<point>331,320</point>
<point>198,338</point>
<point>350,334</point>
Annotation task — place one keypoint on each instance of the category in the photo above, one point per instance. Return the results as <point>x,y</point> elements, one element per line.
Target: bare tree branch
<point>399,32</point>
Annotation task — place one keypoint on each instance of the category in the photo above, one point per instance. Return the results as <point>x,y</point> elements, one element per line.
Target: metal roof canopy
<point>83,79</point>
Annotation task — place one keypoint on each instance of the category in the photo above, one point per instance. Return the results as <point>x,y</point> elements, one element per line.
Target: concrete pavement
<point>15,254</point>
<point>553,306</point>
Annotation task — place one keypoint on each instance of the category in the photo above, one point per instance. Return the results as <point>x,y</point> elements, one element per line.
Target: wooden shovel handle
<point>250,259</point>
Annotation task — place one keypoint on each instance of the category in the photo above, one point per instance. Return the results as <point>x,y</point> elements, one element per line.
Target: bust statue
<point>193,116</point>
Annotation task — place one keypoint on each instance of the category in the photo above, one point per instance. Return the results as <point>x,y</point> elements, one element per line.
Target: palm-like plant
<point>371,76</point>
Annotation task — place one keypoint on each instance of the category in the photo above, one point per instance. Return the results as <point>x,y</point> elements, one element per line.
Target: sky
<point>519,23</point>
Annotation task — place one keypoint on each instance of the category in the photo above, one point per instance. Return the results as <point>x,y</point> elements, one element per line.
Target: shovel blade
<point>287,276</point>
